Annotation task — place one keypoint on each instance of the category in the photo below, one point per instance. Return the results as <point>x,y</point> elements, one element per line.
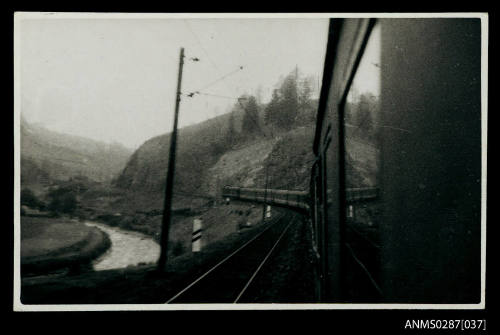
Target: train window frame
<point>359,56</point>
<point>341,115</point>
<point>341,108</point>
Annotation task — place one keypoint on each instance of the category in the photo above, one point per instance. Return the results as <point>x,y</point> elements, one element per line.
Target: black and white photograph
<point>249,161</point>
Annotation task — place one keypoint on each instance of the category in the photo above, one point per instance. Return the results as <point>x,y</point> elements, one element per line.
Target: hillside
<point>287,158</point>
<point>198,148</point>
<point>236,148</point>
<point>238,167</point>
<point>362,163</point>
<point>250,144</point>
<point>204,164</point>
<point>48,156</point>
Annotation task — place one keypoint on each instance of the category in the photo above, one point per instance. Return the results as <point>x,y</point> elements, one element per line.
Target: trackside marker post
<point>268,212</point>
<point>197,230</point>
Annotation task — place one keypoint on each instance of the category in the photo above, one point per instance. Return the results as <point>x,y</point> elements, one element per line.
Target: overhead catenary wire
<point>190,95</point>
<point>204,49</point>
<point>219,79</point>
<point>199,91</point>
<point>238,99</point>
<point>252,117</point>
<point>201,45</point>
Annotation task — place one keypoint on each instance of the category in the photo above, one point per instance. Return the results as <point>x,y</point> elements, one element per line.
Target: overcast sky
<point>368,78</point>
<point>115,79</point>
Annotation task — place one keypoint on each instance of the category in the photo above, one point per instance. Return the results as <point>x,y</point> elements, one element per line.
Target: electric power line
<point>201,45</point>
<point>252,117</point>
<point>204,50</point>
<point>219,79</point>
<point>190,95</point>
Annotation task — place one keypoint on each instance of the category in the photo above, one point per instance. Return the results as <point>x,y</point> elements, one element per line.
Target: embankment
<point>54,245</point>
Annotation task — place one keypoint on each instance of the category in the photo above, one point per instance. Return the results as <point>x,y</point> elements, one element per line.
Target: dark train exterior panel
<point>431,173</point>
<point>428,153</point>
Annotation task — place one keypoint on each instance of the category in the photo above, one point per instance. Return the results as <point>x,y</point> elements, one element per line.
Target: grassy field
<point>41,236</point>
<point>49,244</point>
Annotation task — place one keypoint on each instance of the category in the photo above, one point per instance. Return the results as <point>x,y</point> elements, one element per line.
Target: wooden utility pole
<point>167,207</point>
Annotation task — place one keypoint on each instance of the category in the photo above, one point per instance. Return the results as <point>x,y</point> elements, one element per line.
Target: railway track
<point>363,264</point>
<point>228,280</point>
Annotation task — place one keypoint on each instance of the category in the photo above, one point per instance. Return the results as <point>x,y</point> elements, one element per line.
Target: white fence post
<point>351,211</point>
<point>196,238</point>
<point>268,212</point>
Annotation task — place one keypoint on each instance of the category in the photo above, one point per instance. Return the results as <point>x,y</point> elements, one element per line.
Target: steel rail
<point>372,280</point>
<point>264,261</point>
<point>357,232</point>
<point>223,261</point>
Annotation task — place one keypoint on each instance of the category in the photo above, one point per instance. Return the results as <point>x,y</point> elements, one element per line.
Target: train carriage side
<point>398,148</point>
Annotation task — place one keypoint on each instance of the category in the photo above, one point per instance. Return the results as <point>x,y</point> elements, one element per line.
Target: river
<point>127,248</point>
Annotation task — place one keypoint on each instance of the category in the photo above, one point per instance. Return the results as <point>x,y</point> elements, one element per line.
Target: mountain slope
<point>206,160</point>
<point>197,150</point>
<point>47,155</point>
